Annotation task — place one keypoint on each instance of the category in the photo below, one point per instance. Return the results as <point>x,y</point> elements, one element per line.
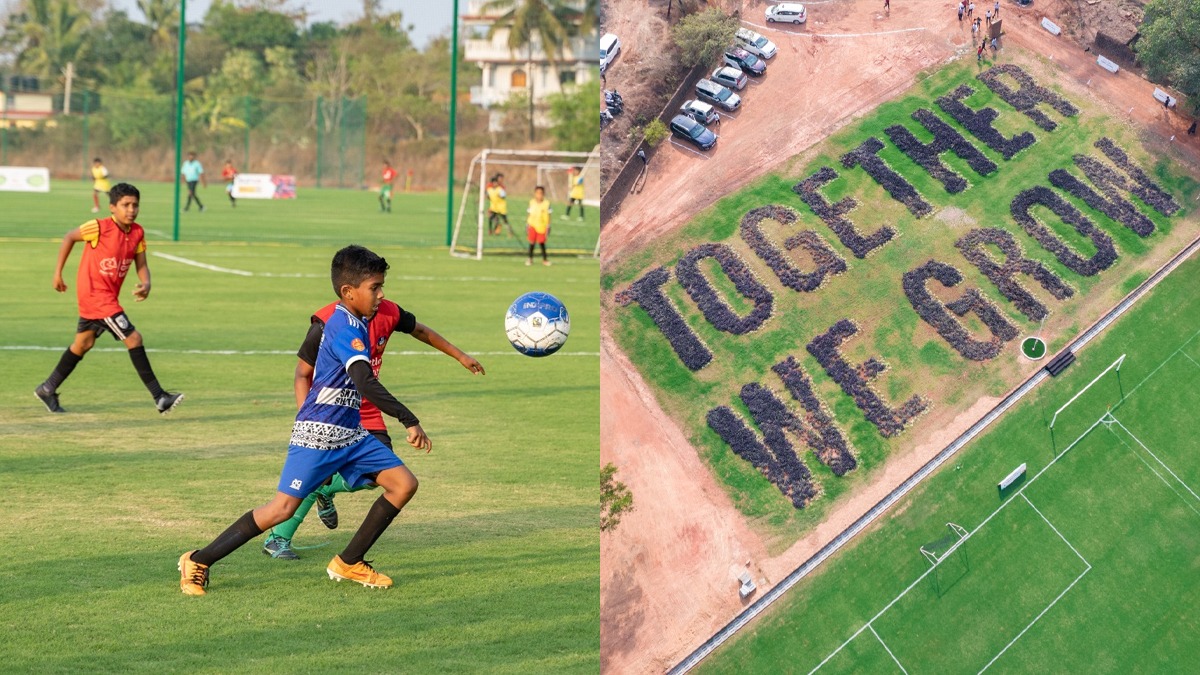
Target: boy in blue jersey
<point>328,436</point>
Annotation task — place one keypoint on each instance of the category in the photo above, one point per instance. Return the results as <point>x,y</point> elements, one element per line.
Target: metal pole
<point>246,102</point>
<point>362,165</point>
<point>342,142</point>
<point>179,111</point>
<point>4,129</point>
<point>453,121</point>
<point>320,123</point>
<point>86,110</point>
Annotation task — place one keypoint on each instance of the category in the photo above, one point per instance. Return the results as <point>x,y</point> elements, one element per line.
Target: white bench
<point>1163,97</point>
<point>1107,64</point>
<point>1050,26</point>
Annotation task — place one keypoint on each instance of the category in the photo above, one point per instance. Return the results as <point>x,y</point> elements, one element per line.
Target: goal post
<point>523,170</point>
<point>1081,412</point>
<point>937,551</point>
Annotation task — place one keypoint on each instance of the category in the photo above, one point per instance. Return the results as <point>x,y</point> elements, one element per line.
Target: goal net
<point>1088,407</point>
<point>517,173</point>
<point>947,569</point>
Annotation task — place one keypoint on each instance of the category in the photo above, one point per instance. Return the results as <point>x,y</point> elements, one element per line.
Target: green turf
<point>496,560</point>
<point>870,292</point>
<point>1123,495</point>
<point>1033,347</point>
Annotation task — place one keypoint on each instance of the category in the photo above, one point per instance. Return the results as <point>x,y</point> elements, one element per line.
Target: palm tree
<point>55,32</point>
<point>163,18</point>
<point>547,21</point>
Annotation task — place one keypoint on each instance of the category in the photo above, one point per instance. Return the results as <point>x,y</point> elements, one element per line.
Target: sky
<point>428,18</point>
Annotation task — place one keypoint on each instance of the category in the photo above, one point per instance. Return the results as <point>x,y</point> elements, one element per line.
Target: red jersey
<point>108,251</point>
<point>389,175</point>
<point>388,319</point>
<point>228,173</point>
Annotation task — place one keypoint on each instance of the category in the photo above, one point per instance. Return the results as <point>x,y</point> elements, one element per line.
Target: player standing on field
<point>575,196</point>
<point>385,189</point>
<point>99,183</point>
<point>388,319</point>
<point>328,436</point>
<point>497,204</point>
<point>193,172</point>
<point>228,174</point>
<point>112,244</point>
<point>538,223</point>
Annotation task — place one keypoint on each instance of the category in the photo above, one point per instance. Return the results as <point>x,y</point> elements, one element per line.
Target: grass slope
<point>870,292</point>
<point>496,560</point>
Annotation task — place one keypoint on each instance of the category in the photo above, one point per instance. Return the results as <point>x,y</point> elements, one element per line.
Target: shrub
<point>828,262</point>
<point>655,132</point>
<point>832,214</point>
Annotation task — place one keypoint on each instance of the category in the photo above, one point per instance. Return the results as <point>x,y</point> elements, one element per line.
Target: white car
<point>786,12</point>
<point>610,46</point>
<point>755,43</point>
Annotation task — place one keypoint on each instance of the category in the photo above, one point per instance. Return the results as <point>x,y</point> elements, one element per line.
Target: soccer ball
<point>537,324</point>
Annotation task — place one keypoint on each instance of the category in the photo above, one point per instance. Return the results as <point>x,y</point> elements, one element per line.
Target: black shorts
<point>118,324</point>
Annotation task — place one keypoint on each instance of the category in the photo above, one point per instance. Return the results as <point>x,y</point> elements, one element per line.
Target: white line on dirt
<point>681,146</point>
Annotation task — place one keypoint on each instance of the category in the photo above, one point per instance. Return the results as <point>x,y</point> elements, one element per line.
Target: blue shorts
<point>305,469</point>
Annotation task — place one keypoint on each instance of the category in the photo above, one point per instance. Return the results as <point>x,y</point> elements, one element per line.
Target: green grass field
<point>870,292</point>
<point>496,560</point>
<point>1088,566</point>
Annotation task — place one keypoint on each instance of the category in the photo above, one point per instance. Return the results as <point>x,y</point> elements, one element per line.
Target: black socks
<point>230,540</point>
<point>381,515</point>
<point>66,364</point>
<point>141,363</point>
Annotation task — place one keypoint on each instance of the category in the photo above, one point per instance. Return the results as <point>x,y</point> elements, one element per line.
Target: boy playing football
<point>385,189</point>
<point>100,183</point>
<point>328,436</point>
<point>112,245</point>
<point>388,319</point>
<point>575,196</point>
<point>538,223</point>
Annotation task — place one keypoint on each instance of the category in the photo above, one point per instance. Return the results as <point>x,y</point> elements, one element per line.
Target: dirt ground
<point>668,572</point>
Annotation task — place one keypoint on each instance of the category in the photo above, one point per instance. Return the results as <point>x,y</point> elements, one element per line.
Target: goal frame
<point>539,159</point>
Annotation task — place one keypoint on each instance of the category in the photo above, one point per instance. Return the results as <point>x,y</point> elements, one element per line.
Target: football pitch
<point>1086,565</point>
<point>496,559</point>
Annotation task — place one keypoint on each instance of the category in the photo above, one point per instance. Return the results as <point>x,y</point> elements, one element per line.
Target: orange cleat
<point>361,572</point>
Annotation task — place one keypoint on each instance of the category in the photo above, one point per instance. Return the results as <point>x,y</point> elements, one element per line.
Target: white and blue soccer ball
<point>537,324</point>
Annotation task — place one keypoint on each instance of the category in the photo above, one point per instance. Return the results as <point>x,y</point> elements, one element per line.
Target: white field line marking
<point>160,233</point>
<point>889,651</point>
<point>1191,359</point>
<point>681,146</point>
<point>244,273</point>
<point>1153,470</point>
<point>1060,595</point>
<point>267,352</point>
<point>962,541</point>
<point>834,35</point>
<point>1164,362</point>
<point>1164,465</point>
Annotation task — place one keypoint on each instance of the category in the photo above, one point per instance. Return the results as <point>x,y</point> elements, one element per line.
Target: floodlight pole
<point>453,121</point>
<point>179,110</point>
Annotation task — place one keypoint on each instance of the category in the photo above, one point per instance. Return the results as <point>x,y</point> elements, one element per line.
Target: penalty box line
<point>1020,491</point>
<point>1037,618</point>
<point>889,651</point>
<point>1160,462</point>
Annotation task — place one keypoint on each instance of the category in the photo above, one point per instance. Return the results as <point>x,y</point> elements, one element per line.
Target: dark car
<point>718,95</point>
<point>747,62</point>
<point>693,132</point>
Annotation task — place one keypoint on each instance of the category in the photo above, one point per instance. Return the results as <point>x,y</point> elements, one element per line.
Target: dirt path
<point>668,573</point>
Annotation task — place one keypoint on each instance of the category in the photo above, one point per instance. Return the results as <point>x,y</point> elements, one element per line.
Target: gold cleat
<point>361,572</point>
<point>193,577</point>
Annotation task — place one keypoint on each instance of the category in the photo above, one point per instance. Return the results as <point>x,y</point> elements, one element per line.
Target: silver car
<point>755,44</point>
<point>700,111</point>
<point>730,77</point>
<point>718,95</point>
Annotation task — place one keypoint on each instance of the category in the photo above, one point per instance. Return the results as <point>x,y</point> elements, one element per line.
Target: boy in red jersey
<point>385,189</point>
<point>112,245</point>
<point>388,319</point>
<point>228,174</point>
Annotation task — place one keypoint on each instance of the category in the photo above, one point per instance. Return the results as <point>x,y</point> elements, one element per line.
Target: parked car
<point>700,111</point>
<point>693,132</point>
<point>730,77</point>
<point>610,46</point>
<point>718,95</point>
<point>745,61</point>
<point>755,43</point>
<point>786,12</point>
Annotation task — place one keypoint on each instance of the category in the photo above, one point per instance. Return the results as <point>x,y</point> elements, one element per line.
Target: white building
<point>507,72</point>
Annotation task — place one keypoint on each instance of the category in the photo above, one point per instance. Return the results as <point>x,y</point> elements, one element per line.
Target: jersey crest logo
<point>122,321</point>
<point>382,341</point>
<point>358,345</point>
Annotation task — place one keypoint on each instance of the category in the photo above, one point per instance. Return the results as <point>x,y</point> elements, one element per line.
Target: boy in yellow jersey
<point>497,203</point>
<point>538,223</point>
<point>99,183</point>
<point>575,182</point>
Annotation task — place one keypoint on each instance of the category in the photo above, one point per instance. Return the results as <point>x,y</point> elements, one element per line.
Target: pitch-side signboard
<point>264,186</point>
<point>24,179</point>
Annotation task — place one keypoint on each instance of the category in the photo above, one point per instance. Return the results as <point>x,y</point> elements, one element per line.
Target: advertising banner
<point>264,186</point>
<point>24,179</point>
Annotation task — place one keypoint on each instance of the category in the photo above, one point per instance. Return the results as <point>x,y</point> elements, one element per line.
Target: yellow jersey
<point>539,215</point>
<point>496,200</point>
<point>577,187</point>
<point>100,178</point>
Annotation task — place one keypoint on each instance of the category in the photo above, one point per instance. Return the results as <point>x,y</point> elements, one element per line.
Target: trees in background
<point>1169,47</point>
